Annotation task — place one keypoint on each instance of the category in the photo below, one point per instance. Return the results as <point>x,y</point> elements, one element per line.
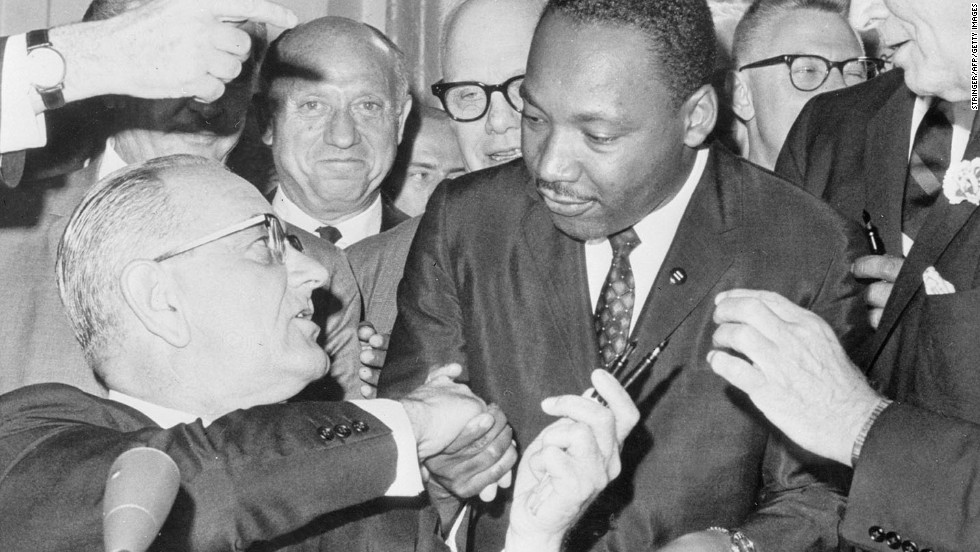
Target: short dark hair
<point>681,35</point>
<point>756,24</point>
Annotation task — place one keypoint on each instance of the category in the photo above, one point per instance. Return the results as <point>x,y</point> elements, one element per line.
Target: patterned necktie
<point>614,309</point>
<point>927,166</point>
<point>329,233</point>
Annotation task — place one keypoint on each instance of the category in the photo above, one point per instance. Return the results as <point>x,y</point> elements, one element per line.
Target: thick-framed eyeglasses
<point>467,101</point>
<point>278,238</point>
<point>807,72</point>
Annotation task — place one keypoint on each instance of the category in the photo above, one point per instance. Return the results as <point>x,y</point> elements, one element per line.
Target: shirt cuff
<point>408,477</point>
<point>865,429</point>
<point>22,128</point>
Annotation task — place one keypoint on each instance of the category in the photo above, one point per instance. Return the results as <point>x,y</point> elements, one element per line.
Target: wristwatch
<point>46,67</point>
<point>740,543</point>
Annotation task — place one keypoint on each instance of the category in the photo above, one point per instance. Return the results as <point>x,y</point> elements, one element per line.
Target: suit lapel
<point>886,161</point>
<point>703,247</point>
<point>560,272</point>
<point>942,225</point>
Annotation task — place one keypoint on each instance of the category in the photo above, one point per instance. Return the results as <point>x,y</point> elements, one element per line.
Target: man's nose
<point>501,117</point>
<point>304,271</point>
<point>341,130</point>
<point>556,161</point>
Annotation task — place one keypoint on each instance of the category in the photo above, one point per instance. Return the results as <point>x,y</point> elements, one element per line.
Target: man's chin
<point>578,228</point>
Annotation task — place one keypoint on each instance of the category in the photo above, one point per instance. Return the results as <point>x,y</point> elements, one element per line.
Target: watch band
<point>52,96</point>
<point>739,542</point>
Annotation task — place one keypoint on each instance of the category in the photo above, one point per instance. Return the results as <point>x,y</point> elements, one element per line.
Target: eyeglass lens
<point>810,72</point>
<point>471,101</point>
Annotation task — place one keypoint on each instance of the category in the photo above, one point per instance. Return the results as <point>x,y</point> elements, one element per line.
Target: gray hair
<point>757,22</point>
<point>127,215</point>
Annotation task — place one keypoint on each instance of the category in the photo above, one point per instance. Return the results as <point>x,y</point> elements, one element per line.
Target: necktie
<point>614,309</point>
<point>927,166</point>
<point>329,233</point>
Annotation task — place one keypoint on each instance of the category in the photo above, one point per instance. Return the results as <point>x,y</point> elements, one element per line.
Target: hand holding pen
<point>875,244</point>
<point>627,378</point>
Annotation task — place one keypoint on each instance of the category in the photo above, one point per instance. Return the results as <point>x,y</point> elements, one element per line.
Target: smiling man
<point>620,224</point>
<point>338,97</point>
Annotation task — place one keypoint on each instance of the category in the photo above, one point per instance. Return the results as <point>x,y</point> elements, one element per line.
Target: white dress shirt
<point>656,232</point>
<point>408,479</point>
<point>356,228</point>
<point>962,122</point>
<point>22,128</point>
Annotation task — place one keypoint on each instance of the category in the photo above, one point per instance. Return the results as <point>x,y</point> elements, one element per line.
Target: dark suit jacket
<point>391,216</point>
<point>491,283</point>
<point>917,472</point>
<point>251,476</point>
<point>11,163</point>
<point>36,341</point>
<point>378,263</point>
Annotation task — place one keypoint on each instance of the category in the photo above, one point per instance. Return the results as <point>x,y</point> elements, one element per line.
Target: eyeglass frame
<point>274,227</point>
<point>788,59</point>
<point>440,89</point>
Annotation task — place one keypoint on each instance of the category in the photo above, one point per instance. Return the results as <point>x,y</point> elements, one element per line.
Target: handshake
<point>467,446</point>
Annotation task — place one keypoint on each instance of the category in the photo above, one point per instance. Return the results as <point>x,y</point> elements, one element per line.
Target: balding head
<point>338,94</point>
<point>488,41</point>
<point>183,293</point>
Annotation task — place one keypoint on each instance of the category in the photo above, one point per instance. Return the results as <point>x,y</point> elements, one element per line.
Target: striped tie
<point>927,166</point>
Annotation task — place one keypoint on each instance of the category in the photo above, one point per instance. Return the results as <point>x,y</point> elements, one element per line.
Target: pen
<point>871,232</point>
<point>643,366</point>
<point>618,365</point>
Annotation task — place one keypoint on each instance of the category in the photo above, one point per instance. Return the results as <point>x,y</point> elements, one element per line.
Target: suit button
<point>893,540</point>
<point>325,433</point>
<point>909,546</point>
<point>876,533</point>
<point>359,426</point>
<point>342,430</point>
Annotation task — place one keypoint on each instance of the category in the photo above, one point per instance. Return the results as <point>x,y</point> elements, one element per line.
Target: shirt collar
<point>161,415</point>
<point>352,230</point>
<point>111,161</point>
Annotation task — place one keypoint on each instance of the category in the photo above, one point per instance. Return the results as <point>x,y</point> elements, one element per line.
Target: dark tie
<point>927,166</point>
<point>614,309</point>
<point>329,233</point>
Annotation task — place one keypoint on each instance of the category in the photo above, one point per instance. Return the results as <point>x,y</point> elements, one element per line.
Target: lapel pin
<point>678,276</point>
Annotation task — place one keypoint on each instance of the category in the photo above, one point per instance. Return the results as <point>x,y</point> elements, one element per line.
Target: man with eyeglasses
<point>785,52</point>
<point>904,149</point>
<point>194,306</point>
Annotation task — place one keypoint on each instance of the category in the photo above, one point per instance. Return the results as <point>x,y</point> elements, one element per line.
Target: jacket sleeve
<point>429,328</point>
<point>803,496</point>
<point>252,475</point>
<point>917,477</point>
<point>11,163</point>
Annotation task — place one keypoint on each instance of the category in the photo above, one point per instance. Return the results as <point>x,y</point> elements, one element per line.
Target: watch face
<point>47,67</point>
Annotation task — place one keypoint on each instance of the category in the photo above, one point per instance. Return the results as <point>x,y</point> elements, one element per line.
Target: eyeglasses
<point>807,73</point>
<point>467,101</point>
<point>278,239</point>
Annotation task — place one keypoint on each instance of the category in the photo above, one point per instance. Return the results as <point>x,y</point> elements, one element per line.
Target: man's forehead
<point>212,196</point>
<point>360,66</point>
<point>490,40</point>
<point>808,31</point>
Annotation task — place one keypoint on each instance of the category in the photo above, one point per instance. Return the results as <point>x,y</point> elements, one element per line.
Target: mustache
<point>560,188</point>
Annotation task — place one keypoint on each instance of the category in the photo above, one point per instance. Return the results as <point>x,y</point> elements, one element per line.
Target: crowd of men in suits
<point>802,391</point>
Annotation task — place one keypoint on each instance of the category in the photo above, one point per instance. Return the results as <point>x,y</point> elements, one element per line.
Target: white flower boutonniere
<point>962,182</point>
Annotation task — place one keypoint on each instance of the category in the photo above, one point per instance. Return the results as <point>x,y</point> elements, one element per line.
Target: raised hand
<point>568,464</point>
<point>793,368</point>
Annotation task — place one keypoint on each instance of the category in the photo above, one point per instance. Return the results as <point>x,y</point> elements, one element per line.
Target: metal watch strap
<point>740,543</point>
<point>52,97</point>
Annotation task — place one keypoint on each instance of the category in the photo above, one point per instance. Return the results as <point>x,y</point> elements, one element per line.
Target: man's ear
<point>267,134</point>
<point>700,114</point>
<point>152,296</point>
<point>403,117</point>
<point>741,94</point>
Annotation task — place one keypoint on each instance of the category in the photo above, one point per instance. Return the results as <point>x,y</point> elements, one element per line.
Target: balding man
<point>338,98</point>
<point>485,45</point>
<point>194,306</point>
<point>785,52</point>
<point>36,344</point>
